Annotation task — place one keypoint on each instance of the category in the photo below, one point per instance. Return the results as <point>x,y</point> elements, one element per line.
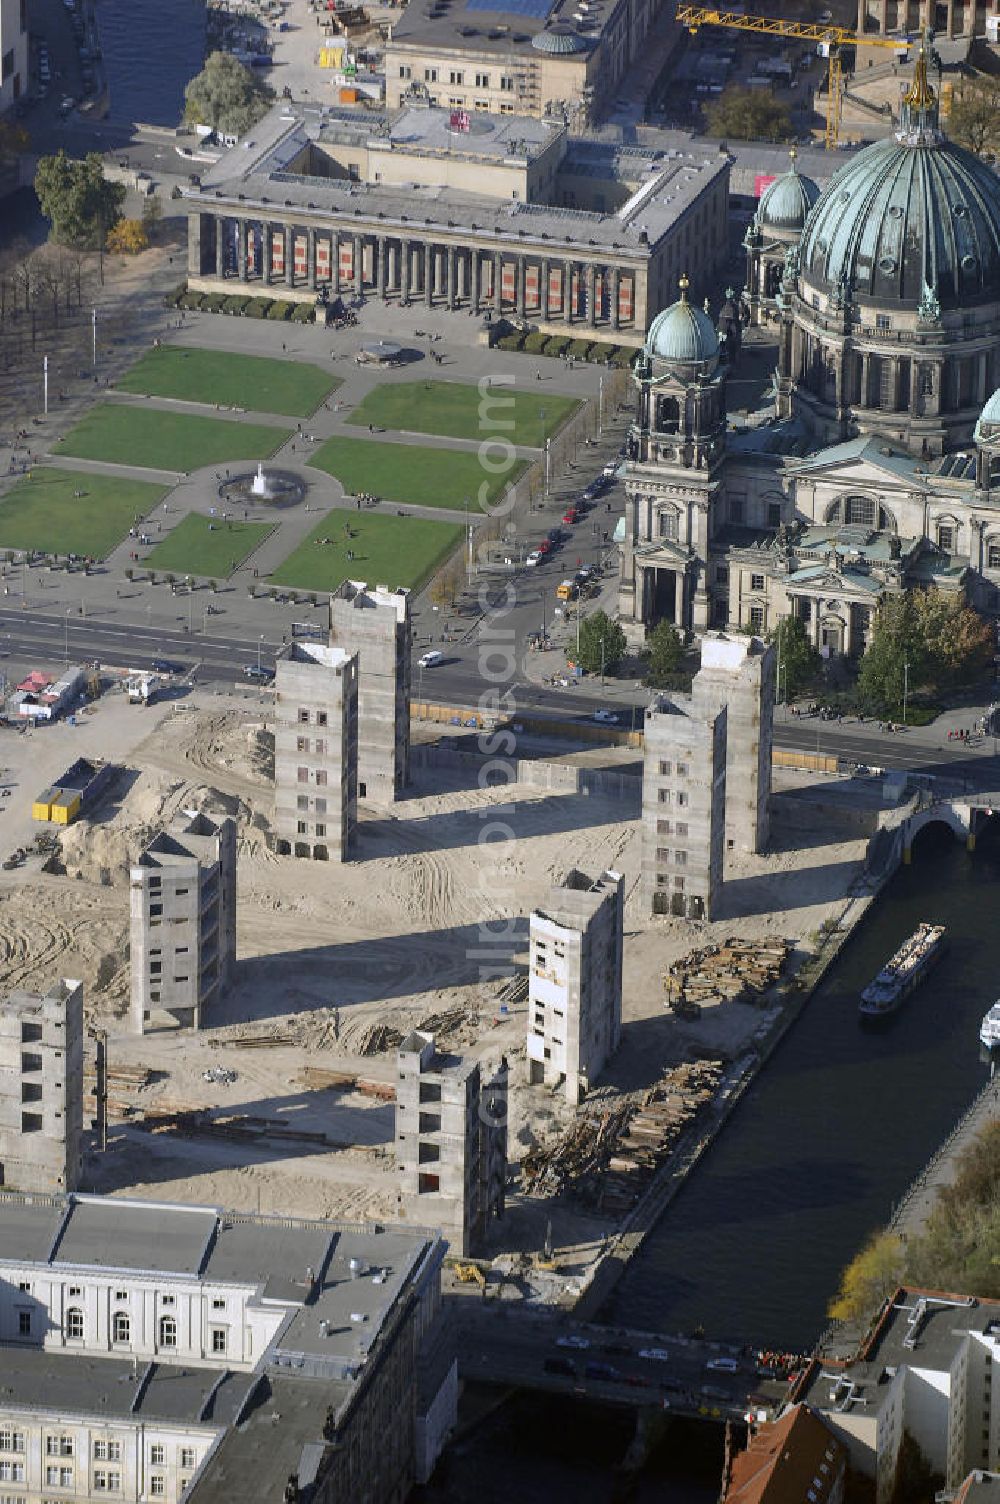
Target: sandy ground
<point>403,937</point>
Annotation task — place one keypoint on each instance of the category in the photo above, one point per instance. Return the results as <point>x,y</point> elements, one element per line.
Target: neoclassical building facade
<point>876,466</point>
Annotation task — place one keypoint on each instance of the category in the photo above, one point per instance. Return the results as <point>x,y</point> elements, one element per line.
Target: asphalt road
<point>464,679</point>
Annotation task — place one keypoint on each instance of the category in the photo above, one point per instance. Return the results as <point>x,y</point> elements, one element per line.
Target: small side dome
<point>785,203</point>
<point>683,334</point>
<point>989,418</point>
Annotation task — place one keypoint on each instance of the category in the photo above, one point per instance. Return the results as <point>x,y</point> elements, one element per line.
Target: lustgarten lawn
<point>292,388</point>
<point>389,550</point>
<point>125,434</point>
<point>70,512</point>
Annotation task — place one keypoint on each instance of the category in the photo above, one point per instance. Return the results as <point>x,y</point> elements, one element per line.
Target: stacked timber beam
<point>739,971</point>
<point>124,1084</point>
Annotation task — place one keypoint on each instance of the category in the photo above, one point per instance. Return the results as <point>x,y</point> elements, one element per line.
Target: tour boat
<point>905,971</point>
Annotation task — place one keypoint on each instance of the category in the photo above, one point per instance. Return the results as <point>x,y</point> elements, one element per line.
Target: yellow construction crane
<point>831,38</point>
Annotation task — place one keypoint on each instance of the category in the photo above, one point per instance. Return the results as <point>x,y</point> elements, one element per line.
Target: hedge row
<point>595,351</point>
<point>240,305</point>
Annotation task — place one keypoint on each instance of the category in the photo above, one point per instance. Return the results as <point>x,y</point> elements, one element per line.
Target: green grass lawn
<point>207,546</point>
<point>389,550</point>
<point>449,407</point>
<point>288,387</point>
<point>41,511</point>
<point>126,434</point>
<point>413,472</point>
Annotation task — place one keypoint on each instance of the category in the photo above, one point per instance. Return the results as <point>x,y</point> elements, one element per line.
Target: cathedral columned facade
<point>876,466</point>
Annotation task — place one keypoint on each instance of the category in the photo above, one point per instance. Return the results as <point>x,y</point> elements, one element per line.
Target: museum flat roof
<point>255,175</point>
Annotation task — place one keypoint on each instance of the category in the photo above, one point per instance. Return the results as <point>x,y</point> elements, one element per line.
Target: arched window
<point>168,1331</point>
<point>120,1327</point>
<point>669,415</point>
<point>74,1324</point>
<point>860,510</point>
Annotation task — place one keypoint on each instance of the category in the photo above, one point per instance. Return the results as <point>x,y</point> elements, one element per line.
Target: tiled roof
<point>794,1458</point>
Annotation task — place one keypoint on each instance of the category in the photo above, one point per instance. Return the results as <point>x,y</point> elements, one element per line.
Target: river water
<point>836,1126</point>
<point>151,49</point>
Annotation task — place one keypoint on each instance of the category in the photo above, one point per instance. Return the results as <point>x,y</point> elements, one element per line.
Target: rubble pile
<point>607,1159</point>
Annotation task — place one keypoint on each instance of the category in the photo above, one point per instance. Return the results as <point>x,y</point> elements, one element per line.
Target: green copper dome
<point>990,414</point>
<point>785,203</point>
<point>683,334</point>
<point>910,213</point>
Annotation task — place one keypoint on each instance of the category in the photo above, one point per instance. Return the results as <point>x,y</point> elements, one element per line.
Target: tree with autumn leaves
<point>923,641</point>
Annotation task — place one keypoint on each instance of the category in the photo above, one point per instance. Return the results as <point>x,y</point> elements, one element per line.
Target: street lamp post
<point>45,384</point>
<point>600,406</point>
<point>548,458</point>
<point>906,688</point>
<point>66,635</point>
<point>93,325</point>
<point>260,644</point>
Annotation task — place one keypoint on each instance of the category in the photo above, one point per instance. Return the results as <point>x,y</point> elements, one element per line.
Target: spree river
<point>151,49</point>
<point>836,1126</point>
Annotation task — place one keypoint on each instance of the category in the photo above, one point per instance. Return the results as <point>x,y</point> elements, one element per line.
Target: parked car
<point>605,1371</point>
<point>535,557</point>
<point>570,514</point>
<point>564,1366</point>
<point>657,1354</point>
<point>555,536</point>
<point>573,1340</point>
<point>545,547</point>
<point>605,717</point>
<point>723,1365</point>
<point>170,666</point>
<point>431,659</point>
<point>259,672</point>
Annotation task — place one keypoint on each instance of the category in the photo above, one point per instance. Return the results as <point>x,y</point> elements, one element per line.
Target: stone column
<point>241,249</point>
<point>265,252</point>
<point>311,259</point>
<point>981,378</point>
<point>591,295</point>
<point>404,270</point>
<point>220,246</point>
<point>498,281</point>
<point>950,22</point>
<point>428,274</point>
<point>335,264</point>
<point>519,287</point>
<point>289,255</point>
<point>543,291</point>
<point>474,280</point>
<point>358,265</point>
<point>393,268</point>
<point>866,364</point>
<point>451,276</point>
<point>462,276</point>
<point>380,266</point>
<point>568,291</point>
<point>615,288</point>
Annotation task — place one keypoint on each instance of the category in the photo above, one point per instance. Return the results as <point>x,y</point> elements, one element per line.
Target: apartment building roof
<point>917,1328</point>
<point>135,1236</point>
<point>118,1388</point>
<point>281,1433</point>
